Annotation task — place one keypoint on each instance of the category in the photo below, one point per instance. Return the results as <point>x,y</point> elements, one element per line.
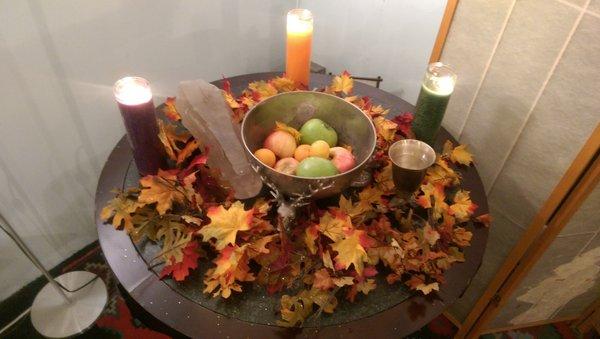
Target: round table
<point>192,319</point>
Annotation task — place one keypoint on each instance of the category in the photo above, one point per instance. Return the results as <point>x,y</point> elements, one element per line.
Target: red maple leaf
<point>404,122</point>
<point>181,270</point>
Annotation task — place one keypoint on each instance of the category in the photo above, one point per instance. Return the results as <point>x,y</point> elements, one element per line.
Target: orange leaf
<point>460,155</point>
<point>342,83</point>
<point>430,235</point>
<point>462,208</point>
<point>189,148</point>
<point>437,192</point>
<point>230,100</point>
<point>170,111</point>
<point>323,280</point>
<point>231,268</point>
<point>160,189</point>
<point>120,209</point>
<point>181,270</point>
<point>485,219</point>
<point>461,237</point>
<point>224,224</point>
<point>310,235</point>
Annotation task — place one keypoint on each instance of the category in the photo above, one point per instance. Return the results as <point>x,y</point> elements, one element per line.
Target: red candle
<point>298,46</point>
<point>134,98</point>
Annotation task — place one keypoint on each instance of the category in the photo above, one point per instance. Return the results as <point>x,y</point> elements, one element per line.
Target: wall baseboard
<point>19,301</point>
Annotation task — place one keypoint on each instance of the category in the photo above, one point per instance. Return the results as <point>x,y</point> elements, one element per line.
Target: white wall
<point>392,39</point>
<point>59,59</point>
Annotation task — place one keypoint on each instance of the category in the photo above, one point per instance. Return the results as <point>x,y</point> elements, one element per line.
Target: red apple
<point>342,159</point>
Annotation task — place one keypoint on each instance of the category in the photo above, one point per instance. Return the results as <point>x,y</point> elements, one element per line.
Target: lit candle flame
<point>299,22</point>
<point>132,91</point>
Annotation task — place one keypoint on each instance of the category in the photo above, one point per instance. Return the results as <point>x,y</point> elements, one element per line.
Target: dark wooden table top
<point>194,320</point>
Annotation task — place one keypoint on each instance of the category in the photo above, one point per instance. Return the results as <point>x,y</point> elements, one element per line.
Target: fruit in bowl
<point>314,160</point>
<point>349,125</point>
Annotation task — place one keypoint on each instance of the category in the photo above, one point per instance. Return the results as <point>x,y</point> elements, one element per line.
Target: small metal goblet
<point>410,160</point>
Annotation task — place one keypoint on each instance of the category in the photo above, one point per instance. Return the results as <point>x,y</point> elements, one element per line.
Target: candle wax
<point>142,132</point>
<point>298,49</point>
<point>429,113</point>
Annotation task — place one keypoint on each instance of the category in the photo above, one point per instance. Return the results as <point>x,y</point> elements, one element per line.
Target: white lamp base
<point>53,317</point>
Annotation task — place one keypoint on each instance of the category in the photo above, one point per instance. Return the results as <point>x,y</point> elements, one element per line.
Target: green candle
<point>436,89</point>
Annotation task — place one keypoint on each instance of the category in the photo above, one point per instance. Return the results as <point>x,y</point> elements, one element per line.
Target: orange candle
<point>298,47</point>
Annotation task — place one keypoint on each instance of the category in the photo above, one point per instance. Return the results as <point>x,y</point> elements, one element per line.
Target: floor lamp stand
<point>63,311</point>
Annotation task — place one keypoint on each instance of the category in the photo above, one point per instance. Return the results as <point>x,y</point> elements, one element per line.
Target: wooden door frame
<point>575,185</point>
<point>440,40</point>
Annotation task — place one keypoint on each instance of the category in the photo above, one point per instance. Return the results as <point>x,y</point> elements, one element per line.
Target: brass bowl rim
<point>355,168</point>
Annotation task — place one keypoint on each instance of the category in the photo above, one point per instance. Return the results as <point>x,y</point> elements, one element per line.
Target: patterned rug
<point>117,320</point>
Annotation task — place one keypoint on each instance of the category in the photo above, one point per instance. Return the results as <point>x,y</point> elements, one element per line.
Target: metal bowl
<point>353,126</point>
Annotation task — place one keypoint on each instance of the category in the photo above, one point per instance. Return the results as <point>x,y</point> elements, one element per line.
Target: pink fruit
<point>342,159</point>
<point>281,143</point>
<point>287,166</point>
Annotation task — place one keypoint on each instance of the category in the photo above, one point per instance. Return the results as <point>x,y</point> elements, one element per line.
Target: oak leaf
<point>161,189</point>
<point>175,237</point>
<point>225,223</point>
<point>120,209</point>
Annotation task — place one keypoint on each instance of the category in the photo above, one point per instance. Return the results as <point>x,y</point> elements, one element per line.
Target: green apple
<point>313,167</point>
<point>317,129</point>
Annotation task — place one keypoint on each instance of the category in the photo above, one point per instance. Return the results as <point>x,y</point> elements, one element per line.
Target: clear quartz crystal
<point>207,116</point>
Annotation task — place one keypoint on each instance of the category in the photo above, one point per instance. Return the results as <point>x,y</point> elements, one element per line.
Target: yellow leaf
<point>385,128</point>
<point>351,250</point>
<point>310,235</point>
<point>430,235</point>
<point>462,208</point>
<point>461,237</point>
<point>427,288</point>
<point>224,224</point>
<point>263,88</point>
<point>461,155</point>
<point>440,173</point>
<point>283,84</point>
<point>439,196</point>
<point>342,83</point>
<point>230,100</point>
<point>366,286</point>
<point>384,178</point>
<point>333,226</point>
<point>231,267</point>
<point>120,209</point>
<point>327,262</point>
<point>280,126</point>
<point>160,189</point>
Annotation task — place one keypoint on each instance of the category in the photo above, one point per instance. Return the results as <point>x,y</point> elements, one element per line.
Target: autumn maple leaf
<point>441,173</point>
<point>437,192</point>
<point>323,280</point>
<point>458,154</point>
<point>404,122</point>
<point>351,250</point>
<point>485,219</point>
<point>231,268</point>
<point>461,237</point>
<point>283,84</point>
<point>263,88</point>
<point>342,83</point>
<point>181,270</point>
<point>385,128</point>
<point>160,189</point>
<point>333,225</point>
<point>224,224</point>
<point>169,137</point>
<point>384,179</point>
<point>463,208</point>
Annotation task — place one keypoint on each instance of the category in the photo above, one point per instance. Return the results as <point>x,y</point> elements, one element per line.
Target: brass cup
<point>410,160</point>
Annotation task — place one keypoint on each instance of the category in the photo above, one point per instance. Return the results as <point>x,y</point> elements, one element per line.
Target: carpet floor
<point>118,321</point>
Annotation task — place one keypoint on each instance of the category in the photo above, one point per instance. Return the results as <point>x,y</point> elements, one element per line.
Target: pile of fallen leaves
<point>332,252</point>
